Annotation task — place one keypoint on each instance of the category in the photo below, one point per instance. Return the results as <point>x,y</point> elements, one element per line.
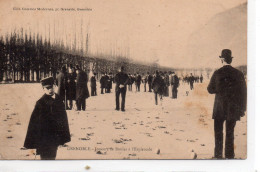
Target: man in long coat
<point>93,85</point>
<point>191,81</point>
<point>82,92</point>
<point>71,87</point>
<point>102,83</point>
<point>149,80</point>
<point>175,84</point>
<point>61,80</point>
<point>121,80</point>
<point>48,127</point>
<point>158,86</point>
<point>138,81</point>
<point>229,86</point>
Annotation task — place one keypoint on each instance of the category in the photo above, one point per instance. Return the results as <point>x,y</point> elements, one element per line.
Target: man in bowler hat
<point>121,80</point>
<point>229,86</point>
<point>82,92</point>
<point>48,127</point>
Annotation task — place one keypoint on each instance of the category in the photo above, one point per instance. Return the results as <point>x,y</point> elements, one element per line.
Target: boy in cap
<point>229,86</point>
<point>48,127</point>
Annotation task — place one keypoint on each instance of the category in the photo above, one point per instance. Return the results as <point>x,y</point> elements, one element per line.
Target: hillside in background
<point>225,30</point>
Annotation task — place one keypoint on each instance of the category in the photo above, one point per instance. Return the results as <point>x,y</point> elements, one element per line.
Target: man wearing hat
<point>229,86</point>
<point>48,127</point>
<point>121,80</point>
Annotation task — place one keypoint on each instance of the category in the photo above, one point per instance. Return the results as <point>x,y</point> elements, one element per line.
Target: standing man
<point>150,80</point>
<point>61,81</point>
<point>109,83</point>
<point>158,86</point>
<point>144,81</point>
<point>167,84</point>
<point>201,78</point>
<point>121,80</point>
<point>175,84</point>
<point>48,127</point>
<point>102,83</point>
<point>93,85</point>
<point>129,82</point>
<point>82,92</point>
<point>138,80</point>
<point>71,87</point>
<point>191,81</point>
<point>229,86</point>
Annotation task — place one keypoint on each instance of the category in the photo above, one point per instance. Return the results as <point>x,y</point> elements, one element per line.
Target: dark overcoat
<point>48,124</point>
<point>158,85</point>
<point>93,83</point>
<point>61,80</point>
<point>71,86</point>
<point>121,78</point>
<point>82,86</point>
<point>229,86</point>
<point>103,81</point>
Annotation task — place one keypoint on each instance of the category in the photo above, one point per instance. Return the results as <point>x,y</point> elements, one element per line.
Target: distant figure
<point>82,92</point>
<point>71,87</point>
<point>229,86</point>
<point>158,86</point>
<point>48,127</point>
<point>167,84</point>
<point>106,83</point>
<point>121,80</point>
<point>191,81</point>
<point>109,83</point>
<point>93,85</point>
<point>138,81</point>
<point>149,80</point>
<point>130,82</point>
<point>102,83</point>
<point>61,81</point>
<point>201,78</point>
<point>175,84</point>
<point>144,80</point>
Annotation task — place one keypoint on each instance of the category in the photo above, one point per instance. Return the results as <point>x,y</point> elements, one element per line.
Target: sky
<point>147,30</point>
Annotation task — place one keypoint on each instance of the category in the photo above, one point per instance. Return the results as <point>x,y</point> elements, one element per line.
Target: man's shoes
<point>116,109</point>
<point>123,110</point>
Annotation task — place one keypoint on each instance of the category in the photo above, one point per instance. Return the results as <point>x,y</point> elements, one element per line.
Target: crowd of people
<point>72,83</point>
<point>48,127</point>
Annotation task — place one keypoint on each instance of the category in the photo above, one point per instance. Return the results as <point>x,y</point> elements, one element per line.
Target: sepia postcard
<point>123,79</point>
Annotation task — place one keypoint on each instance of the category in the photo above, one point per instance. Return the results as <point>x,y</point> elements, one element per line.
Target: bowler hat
<point>46,82</point>
<point>226,53</point>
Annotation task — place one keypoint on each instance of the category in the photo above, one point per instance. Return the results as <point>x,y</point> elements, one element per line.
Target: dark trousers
<point>156,99</point>
<point>81,104</point>
<point>48,153</point>
<point>191,86</point>
<point>174,92</point>
<point>144,87</point>
<point>121,91</point>
<point>69,104</point>
<point>93,91</point>
<point>150,87</point>
<point>137,87</point>
<point>229,143</point>
<point>102,90</point>
<point>130,87</point>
